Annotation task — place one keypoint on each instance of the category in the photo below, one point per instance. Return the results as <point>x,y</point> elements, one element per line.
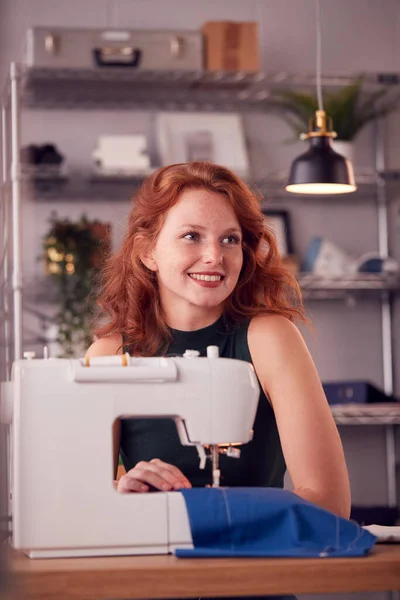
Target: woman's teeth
<point>205,277</point>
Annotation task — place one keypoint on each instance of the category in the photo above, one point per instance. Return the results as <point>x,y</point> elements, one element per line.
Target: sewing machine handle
<point>115,370</point>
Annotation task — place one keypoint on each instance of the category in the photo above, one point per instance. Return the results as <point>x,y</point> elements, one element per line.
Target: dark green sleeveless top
<point>261,462</point>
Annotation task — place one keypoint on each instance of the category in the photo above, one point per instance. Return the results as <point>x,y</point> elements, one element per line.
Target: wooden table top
<point>169,577</point>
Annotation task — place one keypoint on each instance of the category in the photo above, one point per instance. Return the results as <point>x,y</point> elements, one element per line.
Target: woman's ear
<point>149,261</point>
<point>144,253</point>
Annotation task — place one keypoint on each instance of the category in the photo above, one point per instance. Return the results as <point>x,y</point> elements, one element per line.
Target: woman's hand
<point>154,474</point>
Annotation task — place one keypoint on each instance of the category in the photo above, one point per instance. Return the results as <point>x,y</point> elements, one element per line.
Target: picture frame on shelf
<point>214,137</point>
<point>279,222</point>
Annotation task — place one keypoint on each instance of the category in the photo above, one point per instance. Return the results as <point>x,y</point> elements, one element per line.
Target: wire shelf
<point>316,287</point>
<point>366,414</point>
<point>59,184</point>
<point>117,88</point>
<point>51,181</point>
<point>148,90</point>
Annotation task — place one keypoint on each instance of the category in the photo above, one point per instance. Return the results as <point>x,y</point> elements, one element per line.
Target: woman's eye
<point>192,236</point>
<point>231,239</point>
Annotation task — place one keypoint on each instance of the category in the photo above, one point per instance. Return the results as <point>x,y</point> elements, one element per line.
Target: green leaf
<point>349,107</point>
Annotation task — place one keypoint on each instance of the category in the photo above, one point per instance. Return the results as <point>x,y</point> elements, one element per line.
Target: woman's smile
<point>210,280</point>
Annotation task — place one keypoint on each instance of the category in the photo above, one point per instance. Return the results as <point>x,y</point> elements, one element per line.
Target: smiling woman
<point>188,219</point>
<point>199,266</point>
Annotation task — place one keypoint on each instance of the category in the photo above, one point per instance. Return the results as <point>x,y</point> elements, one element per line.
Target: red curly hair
<point>128,293</point>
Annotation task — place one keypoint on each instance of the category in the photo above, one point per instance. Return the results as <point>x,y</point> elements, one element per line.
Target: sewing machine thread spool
<point>107,361</point>
<point>212,351</point>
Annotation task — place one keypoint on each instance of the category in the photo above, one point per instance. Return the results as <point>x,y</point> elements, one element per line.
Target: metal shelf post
<point>5,250</point>
<point>16,212</point>
<point>386,311</point>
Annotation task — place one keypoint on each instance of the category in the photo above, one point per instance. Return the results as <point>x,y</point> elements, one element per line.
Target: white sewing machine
<point>61,413</point>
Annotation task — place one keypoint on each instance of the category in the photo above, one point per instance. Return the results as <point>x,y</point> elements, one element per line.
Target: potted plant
<point>350,109</point>
<point>73,251</point>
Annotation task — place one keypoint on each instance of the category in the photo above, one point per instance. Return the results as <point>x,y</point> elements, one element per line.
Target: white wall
<point>358,36</point>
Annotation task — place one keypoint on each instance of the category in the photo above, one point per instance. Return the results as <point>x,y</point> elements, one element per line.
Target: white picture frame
<point>217,137</point>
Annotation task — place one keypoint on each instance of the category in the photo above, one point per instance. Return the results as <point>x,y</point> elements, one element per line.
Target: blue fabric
<point>267,522</point>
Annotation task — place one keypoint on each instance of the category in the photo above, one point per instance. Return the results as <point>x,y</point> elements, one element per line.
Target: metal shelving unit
<point>166,90</point>
<point>49,184</point>
<point>363,285</point>
<point>123,89</point>
<point>92,186</point>
<point>366,414</point>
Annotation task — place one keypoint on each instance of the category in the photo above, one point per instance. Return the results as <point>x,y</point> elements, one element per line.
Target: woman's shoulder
<point>277,348</point>
<point>274,330</point>
<point>259,335</point>
<point>272,322</point>
<point>107,346</point>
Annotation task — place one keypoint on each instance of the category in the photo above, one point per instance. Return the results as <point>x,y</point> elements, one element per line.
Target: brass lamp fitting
<point>320,126</point>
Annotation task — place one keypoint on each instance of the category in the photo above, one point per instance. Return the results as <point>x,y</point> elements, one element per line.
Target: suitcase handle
<point>101,55</point>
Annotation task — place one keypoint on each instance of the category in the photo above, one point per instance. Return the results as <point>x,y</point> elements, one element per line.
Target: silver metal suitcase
<point>61,48</point>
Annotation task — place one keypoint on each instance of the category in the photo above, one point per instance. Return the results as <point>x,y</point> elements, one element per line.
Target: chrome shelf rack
<point>367,414</point>
<point>51,183</point>
<point>184,91</point>
<point>362,285</point>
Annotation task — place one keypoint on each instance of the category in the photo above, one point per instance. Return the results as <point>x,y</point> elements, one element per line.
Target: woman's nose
<point>213,254</point>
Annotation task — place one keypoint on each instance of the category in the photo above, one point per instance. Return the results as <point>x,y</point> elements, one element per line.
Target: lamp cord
<point>111,14</point>
<point>318,31</point>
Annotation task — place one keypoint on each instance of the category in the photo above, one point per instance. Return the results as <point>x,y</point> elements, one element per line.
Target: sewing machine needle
<point>216,473</point>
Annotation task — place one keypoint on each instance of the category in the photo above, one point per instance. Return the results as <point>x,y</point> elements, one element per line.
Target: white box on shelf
<point>122,153</point>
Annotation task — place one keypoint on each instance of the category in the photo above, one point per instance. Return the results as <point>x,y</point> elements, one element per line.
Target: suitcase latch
<point>108,51</point>
<point>177,47</point>
<point>52,44</point>
<point>117,56</point>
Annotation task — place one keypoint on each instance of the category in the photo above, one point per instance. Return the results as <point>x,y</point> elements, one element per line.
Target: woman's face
<point>198,254</point>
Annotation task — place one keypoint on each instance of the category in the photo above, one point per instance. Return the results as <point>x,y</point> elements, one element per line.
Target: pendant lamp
<point>320,170</point>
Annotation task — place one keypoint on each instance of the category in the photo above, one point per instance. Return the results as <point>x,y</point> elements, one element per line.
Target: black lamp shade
<point>321,170</point>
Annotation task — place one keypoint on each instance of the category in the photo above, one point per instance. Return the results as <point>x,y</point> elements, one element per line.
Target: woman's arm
<point>108,347</point>
<point>310,440</point>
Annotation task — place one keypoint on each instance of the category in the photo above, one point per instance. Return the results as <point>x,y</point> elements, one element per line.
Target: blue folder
<point>267,522</point>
